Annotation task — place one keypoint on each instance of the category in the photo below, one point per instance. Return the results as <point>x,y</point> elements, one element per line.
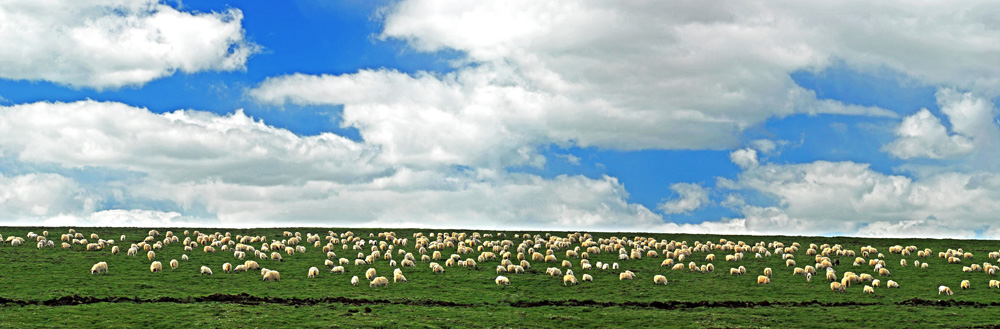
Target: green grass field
<point>53,287</point>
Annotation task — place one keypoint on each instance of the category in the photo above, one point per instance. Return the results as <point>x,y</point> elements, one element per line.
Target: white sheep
<point>355,280</point>
<point>174,264</point>
<point>227,267</point>
<point>763,279</point>
<point>155,267</point>
<point>206,270</point>
<point>569,279</point>
<point>868,289</point>
<point>313,272</point>
<point>966,284</point>
<point>272,276</point>
<point>398,277</point>
<point>101,267</point>
<point>379,282</point>
<point>370,274</point>
<point>151,254</point>
<point>659,279</point>
<point>502,281</point>
<point>892,284</point>
<point>589,278</point>
<point>945,290</point>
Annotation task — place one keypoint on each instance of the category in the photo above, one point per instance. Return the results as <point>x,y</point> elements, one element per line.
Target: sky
<point>731,117</point>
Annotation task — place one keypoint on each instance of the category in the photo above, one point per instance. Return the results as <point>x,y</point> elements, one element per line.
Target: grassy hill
<point>53,286</point>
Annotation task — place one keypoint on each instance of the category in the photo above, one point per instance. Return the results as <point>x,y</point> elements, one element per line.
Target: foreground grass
<point>171,315</point>
<point>29,276</point>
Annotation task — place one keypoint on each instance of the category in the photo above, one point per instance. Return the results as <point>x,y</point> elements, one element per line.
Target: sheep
<point>868,289</point>
<point>184,257</point>
<point>767,272</point>
<point>276,256</point>
<point>272,276</point>
<point>174,264</point>
<point>155,267</point>
<point>569,279</point>
<point>252,265</point>
<point>763,279</point>
<point>659,279</point>
<point>966,285</point>
<point>206,270</point>
<point>627,275</point>
<point>151,254</point>
<point>379,282</point>
<point>796,271</point>
<point>734,271</point>
<point>313,272</point>
<point>945,290</point>
<point>837,287</point>
<point>209,249</point>
<point>240,268</point>
<point>587,277</point>
<point>370,274</point>
<point>883,272</point>
<point>790,263</point>
<point>502,281</point>
<point>355,280</point>
<point>398,277</point>
<point>227,267</point>
<point>338,269</point>
<point>994,284</point>
<point>891,284</point>
<point>115,250</point>
<point>876,283</point>
<point>809,277</point>
<point>100,267</point>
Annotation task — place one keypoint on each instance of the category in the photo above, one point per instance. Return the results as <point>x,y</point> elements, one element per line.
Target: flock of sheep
<point>514,255</point>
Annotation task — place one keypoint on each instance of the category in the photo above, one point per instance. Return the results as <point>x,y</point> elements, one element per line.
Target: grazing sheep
<point>796,271</point>
<point>184,257</point>
<point>370,274</point>
<point>809,277</point>
<point>206,270</point>
<point>966,285</point>
<point>763,279</point>
<point>767,272</point>
<point>338,269</point>
<point>227,267</point>
<point>945,290</point>
<point>994,283</point>
<point>209,249</point>
<point>735,271</point>
<point>868,290</point>
<point>891,284</point>
<point>313,272</point>
<point>659,279</point>
<point>240,268</point>
<point>155,267</point>
<point>627,275</point>
<point>115,250</point>
<point>151,254</point>
<point>328,263</point>
<point>790,263</point>
<point>272,276</point>
<point>883,272</point>
<point>101,267</point>
<point>174,264</point>
<point>276,256</point>
<point>502,281</point>
<point>837,287</point>
<point>398,277</point>
<point>355,280</point>
<point>587,277</point>
<point>569,279</point>
<point>379,282</point>
<point>252,265</point>
<point>876,283</point>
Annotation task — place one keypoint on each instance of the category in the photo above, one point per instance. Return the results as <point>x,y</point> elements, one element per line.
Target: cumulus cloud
<point>922,135</point>
<point>114,43</point>
<point>652,76</point>
<point>851,198</point>
<point>182,145</point>
<point>689,197</point>
<point>745,157</point>
<point>973,125</point>
<point>42,195</point>
<point>242,172</point>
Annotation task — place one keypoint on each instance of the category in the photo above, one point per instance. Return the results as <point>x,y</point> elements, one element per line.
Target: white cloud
<point>744,158</point>
<point>975,131</point>
<point>114,43</point>
<point>609,75</point>
<point>851,198</point>
<point>917,228</point>
<point>40,195</point>
<point>922,135</point>
<point>241,172</point>
<point>690,197</point>
<point>572,159</point>
<point>180,145</point>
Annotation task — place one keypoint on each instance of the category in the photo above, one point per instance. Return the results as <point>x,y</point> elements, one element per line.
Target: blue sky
<point>536,114</point>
